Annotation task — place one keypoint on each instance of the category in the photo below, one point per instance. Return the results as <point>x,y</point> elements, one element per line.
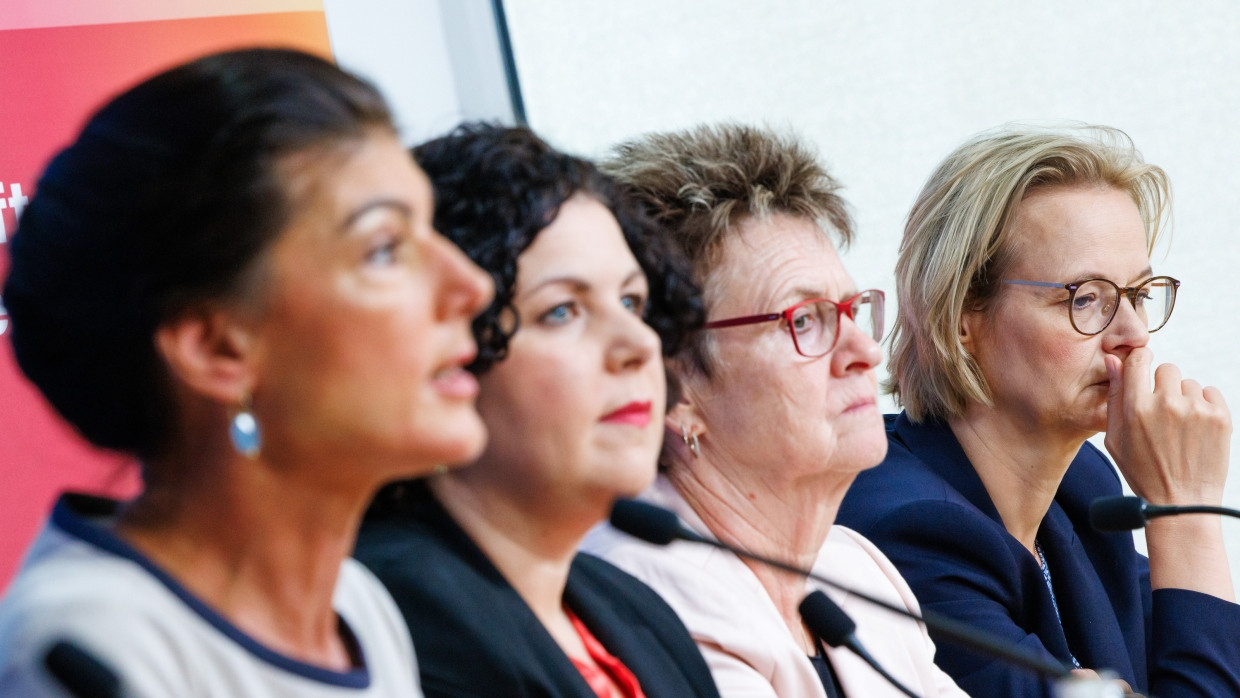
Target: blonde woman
<point>1027,298</point>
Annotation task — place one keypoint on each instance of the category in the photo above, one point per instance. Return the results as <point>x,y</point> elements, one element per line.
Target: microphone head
<point>81,672</point>
<point>1115,514</point>
<point>826,619</point>
<point>645,521</point>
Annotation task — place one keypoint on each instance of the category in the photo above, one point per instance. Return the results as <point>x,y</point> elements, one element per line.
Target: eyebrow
<point>1143,274</point>
<point>804,293</point>
<point>633,276</point>
<point>399,206</point>
<point>576,283</point>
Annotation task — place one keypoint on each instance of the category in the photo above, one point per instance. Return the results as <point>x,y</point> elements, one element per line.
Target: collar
<point>949,462</point>
<point>87,518</point>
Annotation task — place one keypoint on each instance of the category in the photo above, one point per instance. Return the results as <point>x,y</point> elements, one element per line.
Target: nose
<point>466,288</point>
<point>855,350</point>
<point>633,343</point>
<point>1126,332</point>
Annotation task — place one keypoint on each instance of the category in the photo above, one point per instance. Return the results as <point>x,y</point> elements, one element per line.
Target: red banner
<point>60,61</point>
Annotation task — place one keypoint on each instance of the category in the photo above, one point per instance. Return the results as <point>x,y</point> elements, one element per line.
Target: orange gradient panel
<point>29,14</point>
<point>53,79</point>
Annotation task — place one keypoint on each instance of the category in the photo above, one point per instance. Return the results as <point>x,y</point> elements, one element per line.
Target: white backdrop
<point>437,61</point>
<point>886,88</point>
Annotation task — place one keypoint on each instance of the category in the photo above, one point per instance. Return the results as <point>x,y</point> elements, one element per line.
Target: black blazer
<point>475,636</point>
<point>927,509</point>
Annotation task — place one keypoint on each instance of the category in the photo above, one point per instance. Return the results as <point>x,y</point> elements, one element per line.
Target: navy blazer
<point>475,636</point>
<point>926,508</point>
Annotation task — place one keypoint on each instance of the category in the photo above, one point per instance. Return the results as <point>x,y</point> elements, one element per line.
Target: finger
<point>1214,396</point>
<point>1137,374</point>
<point>1167,379</point>
<point>1191,389</point>
<point>1115,391</point>
<point>1115,376</point>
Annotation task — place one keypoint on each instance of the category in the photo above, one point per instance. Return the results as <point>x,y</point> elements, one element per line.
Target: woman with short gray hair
<point>777,415</point>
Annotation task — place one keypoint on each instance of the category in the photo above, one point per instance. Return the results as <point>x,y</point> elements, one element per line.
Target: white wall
<point>436,61</point>
<point>886,88</point>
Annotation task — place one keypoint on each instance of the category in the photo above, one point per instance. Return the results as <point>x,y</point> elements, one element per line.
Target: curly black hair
<point>496,187</point>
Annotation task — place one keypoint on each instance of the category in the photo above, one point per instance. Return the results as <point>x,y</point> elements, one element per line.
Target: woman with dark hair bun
<point>232,274</point>
<point>483,560</point>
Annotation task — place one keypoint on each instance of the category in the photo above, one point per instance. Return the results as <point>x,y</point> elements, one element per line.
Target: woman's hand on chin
<point>1170,442</point>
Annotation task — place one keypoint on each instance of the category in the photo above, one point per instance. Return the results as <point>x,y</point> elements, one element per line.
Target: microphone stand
<point>960,633</point>
<point>81,673</point>
<point>829,623</point>
<point>659,526</point>
<point>1125,513</point>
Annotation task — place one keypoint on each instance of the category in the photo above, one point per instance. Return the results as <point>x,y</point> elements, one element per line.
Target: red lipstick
<point>634,414</point>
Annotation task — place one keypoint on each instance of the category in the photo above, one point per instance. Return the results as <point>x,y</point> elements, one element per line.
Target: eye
<point>1084,300</point>
<point>804,320</point>
<point>635,302</point>
<point>384,253</point>
<point>559,314</point>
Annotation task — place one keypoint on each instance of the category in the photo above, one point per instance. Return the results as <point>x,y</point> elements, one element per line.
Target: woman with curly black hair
<point>483,560</point>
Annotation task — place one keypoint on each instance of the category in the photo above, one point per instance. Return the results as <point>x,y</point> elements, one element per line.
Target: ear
<point>684,414</point>
<point>971,323</point>
<point>208,352</point>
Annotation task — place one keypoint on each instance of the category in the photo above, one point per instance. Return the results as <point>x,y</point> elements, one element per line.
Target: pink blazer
<point>740,632</point>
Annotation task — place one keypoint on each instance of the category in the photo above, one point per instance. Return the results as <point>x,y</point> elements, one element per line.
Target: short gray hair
<point>701,183</point>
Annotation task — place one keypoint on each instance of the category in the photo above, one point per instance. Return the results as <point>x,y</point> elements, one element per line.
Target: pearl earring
<point>243,431</point>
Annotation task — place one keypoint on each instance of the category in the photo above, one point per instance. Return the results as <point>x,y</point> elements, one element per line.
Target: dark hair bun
<point>166,199</point>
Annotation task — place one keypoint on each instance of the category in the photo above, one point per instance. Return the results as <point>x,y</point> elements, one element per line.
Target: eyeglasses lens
<point>1096,302</point>
<point>1155,301</point>
<point>871,314</point>
<point>815,325</point>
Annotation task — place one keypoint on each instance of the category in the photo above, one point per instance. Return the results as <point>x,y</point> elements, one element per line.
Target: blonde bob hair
<point>958,245</point>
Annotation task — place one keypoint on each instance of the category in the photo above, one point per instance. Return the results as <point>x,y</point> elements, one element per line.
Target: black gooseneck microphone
<point>1123,513</point>
<point>832,625</point>
<point>80,672</point>
<point>657,525</point>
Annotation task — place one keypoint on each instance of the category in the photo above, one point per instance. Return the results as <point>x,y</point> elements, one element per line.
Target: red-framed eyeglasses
<point>814,324</point>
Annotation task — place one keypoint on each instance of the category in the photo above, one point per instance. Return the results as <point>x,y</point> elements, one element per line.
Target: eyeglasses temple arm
<point>747,320</point>
<point>1047,284</point>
